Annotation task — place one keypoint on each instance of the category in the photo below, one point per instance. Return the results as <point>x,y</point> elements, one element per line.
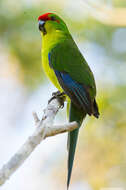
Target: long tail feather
<point>72,146</point>
<point>75,115</point>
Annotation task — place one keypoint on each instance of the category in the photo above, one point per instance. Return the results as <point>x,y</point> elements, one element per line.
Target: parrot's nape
<point>69,72</point>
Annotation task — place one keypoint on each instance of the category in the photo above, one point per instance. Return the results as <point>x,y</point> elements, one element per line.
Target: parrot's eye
<point>53,18</point>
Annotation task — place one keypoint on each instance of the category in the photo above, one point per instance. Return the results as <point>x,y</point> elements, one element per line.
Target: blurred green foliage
<point>119,3</point>
<point>19,33</point>
<point>103,141</point>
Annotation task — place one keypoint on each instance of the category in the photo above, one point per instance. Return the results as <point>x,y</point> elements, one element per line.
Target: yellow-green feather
<point>48,42</point>
<point>80,72</point>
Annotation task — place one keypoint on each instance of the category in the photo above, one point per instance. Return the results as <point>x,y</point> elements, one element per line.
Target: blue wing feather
<point>76,91</point>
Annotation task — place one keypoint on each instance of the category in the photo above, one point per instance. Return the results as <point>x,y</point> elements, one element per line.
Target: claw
<point>60,96</point>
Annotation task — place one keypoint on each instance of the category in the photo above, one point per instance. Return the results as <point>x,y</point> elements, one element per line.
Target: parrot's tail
<point>78,116</point>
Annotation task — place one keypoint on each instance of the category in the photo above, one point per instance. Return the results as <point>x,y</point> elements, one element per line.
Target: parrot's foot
<point>60,96</point>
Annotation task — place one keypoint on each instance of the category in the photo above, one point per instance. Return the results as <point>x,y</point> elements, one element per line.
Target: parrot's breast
<point>49,71</point>
<point>48,42</point>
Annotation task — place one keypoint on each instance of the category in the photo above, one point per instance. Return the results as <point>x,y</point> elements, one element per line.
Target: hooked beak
<point>41,26</point>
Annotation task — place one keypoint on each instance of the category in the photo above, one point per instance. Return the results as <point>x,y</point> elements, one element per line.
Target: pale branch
<point>106,14</point>
<point>44,128</point>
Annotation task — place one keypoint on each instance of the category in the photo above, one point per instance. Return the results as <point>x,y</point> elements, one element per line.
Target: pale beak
<point>41,24</point>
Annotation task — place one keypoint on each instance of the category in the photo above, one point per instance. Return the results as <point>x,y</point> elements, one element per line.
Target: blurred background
<point>98,27</point>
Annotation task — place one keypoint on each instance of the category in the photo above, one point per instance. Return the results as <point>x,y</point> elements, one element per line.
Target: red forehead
<point>44,16</point>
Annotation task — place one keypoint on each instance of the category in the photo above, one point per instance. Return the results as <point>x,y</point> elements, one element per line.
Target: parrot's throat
<point>44,30</point>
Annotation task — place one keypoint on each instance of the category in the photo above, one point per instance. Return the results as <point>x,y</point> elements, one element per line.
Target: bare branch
<point>44,128</point>
<point>105,14</point>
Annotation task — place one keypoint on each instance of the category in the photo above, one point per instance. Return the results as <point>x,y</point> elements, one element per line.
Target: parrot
<point>68,70</point>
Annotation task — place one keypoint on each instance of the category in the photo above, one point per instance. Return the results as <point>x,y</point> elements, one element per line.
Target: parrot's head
<point>50,22</point>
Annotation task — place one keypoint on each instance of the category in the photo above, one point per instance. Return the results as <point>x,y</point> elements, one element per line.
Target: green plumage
<point>71,61</point>
<point>78,116</point>
<point>69,72</point>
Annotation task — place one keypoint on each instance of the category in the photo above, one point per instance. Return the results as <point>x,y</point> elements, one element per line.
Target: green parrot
<point>66,67</point>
